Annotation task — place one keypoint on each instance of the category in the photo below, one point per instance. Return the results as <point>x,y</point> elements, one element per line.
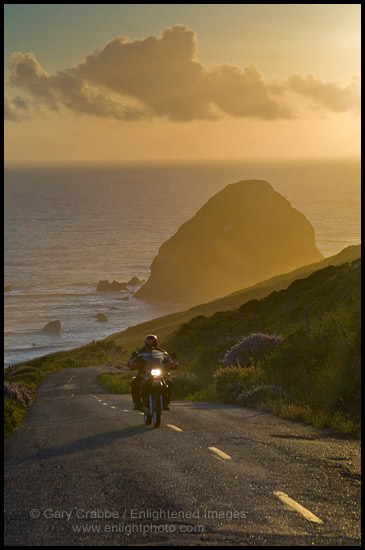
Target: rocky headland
<point>244,234</point>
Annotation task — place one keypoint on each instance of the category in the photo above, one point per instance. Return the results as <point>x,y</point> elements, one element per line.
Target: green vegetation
<point>312,375</point>
<point>115,382</point>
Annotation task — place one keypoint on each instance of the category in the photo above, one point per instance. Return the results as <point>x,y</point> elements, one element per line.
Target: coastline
<point>132,336</point>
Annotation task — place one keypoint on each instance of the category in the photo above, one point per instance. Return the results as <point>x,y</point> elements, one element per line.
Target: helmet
<point>150,341</point>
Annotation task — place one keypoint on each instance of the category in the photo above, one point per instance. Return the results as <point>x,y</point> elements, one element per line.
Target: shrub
<point>231,382</point>
<point>204,362</point>
<point>13,414</point>
<point>207,394</point>
<point>258,395</point>
<point>185,383</point>
<point>16,400</point>
<point>18,393</point>
<point>251,349</point>
<point>29,379</point>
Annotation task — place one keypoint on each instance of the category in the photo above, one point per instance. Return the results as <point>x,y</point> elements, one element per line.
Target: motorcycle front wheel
<point>156,415</point>
<point>147,415</point>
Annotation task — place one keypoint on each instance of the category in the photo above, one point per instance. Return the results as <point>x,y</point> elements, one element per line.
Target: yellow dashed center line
<point>220,453</point>
<point>293,505</point>
<point>174,427</point>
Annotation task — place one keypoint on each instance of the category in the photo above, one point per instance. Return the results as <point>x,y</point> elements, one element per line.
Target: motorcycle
<point>155,385</point>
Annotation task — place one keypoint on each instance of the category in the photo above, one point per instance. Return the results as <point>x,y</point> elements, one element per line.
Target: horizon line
<point>168,161</point>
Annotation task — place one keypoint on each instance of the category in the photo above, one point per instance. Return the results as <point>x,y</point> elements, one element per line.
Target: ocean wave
<point>21,332</point>
<point>37,347</point>
<point>50,294</point>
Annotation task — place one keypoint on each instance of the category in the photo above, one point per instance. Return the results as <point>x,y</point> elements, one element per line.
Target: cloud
<point>330,95</point>
<point>164,74</point>
<point>243,93</point>
<point>15,109</point>
<point>161,77</point>
<point>66,89</point>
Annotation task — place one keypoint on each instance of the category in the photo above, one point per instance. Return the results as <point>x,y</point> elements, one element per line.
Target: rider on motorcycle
<point>138,362</point>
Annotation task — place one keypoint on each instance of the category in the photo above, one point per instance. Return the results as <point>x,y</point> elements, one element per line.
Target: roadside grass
<point>188,387</point>
<point>22,380</point>
<point>13,415</point>
<point>304,413</point>
<point>115,383</point>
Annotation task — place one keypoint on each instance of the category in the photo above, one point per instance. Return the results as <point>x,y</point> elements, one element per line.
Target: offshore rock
<point>244,234</point>
<point>105,286</point>
<point>134,281</point>
<point>53,327</point>
<point>101,317</point>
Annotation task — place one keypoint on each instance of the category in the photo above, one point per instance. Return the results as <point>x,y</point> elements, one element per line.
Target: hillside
<point>244,234</point>
<point>321,293</point>
<point>164,326</point>
<point>312,372</point>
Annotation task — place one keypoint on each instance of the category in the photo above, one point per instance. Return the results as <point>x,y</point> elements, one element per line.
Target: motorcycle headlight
<point>156,372</point>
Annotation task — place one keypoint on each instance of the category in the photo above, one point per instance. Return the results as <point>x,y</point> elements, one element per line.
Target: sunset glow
<point>253,81</point>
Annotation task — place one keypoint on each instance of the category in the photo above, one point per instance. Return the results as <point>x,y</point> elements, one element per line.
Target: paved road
<point>84,471</point>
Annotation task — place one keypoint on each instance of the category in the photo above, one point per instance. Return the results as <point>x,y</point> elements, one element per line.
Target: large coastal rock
<point>244,234</point>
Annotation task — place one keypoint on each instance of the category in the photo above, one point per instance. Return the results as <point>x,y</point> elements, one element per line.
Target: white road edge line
<point>220,453</point>
<point>297,507</point>
<point>174,427</point>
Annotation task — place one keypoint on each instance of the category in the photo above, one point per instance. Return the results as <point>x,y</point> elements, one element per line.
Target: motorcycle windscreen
<point>153,357</point>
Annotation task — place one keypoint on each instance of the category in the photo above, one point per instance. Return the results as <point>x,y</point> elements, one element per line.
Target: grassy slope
<point>313,375</point>
<point>321,293</point>
<point>164,326</point>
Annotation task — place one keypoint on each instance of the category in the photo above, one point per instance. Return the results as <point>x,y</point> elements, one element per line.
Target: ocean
<point>66,228</point>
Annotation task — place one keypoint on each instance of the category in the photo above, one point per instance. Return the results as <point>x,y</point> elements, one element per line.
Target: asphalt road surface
<point>84,470</point>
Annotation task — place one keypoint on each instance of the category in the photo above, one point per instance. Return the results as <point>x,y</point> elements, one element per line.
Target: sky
<point>151,82</point>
